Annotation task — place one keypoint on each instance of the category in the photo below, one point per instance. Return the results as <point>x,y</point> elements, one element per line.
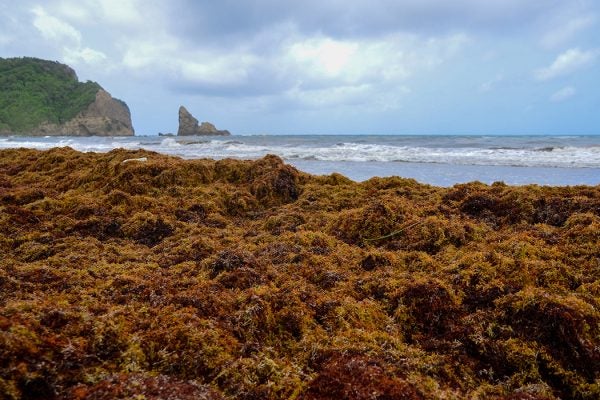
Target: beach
<point>128,272</point>
<point>316,200</point>
<point>437,159</point>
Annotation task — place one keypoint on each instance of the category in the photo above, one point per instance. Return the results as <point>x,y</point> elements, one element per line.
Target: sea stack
<point>188,126</point>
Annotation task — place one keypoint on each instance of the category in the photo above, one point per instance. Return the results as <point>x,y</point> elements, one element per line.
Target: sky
<point>329,66</point>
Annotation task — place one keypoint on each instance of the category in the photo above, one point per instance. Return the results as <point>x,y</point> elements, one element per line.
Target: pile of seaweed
<point>132,274</point>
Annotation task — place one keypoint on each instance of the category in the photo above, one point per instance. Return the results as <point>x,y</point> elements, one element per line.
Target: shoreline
<point>448,175</point>
<point>441,161</point>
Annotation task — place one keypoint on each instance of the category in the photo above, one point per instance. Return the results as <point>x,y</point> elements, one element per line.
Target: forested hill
<point>34,91</point>
<point>39,98</point>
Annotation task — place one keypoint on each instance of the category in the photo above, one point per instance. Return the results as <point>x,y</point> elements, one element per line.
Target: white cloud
<point>85,55</point>
<point>491,84</point>
<point>169,57</point>
<point>115,12</point>
<point>310,70</point>
<point>563,94</point>
<point>53,28</point>
<point>220,70</point>
<point>370,72</point>
<point>123,12</point>
<point>74,11</point>
<point>157,51</point>
<point>325,55</point>
<point>566,63</point>
<point>391,58</point>
<point>65,37</point>
<point>566,31</point>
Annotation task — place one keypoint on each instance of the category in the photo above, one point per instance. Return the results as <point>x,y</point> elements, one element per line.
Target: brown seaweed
<point>228,279</point>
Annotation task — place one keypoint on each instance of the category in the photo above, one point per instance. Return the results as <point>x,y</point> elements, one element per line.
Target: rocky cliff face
<point>188,126</point>
<point>42,97</point>
<point>106,116</point>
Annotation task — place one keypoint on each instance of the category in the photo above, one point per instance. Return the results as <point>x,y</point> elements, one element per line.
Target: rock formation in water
<point>188,126</point>
<point>40,97</point>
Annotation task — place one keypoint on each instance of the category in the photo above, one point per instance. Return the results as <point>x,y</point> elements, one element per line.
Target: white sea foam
<point>169,142</point>
<point>30,144</point>
<point>571,152</point>
<point>357,152</point>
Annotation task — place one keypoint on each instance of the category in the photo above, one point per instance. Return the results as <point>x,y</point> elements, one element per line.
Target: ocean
<point>436,160</point>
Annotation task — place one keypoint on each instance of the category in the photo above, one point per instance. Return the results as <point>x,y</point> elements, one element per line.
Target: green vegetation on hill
<point>33,91</point>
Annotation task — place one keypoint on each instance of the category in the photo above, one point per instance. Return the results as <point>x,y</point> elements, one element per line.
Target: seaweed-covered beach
<point>131,274</point>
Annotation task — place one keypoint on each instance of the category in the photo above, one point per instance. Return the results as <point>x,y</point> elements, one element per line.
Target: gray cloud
<point>230,19</point>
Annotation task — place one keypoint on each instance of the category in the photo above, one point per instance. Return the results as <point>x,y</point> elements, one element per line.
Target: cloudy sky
<point>329,66</point>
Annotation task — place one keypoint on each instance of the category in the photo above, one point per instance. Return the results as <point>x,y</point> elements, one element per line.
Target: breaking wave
<point>523,152</point>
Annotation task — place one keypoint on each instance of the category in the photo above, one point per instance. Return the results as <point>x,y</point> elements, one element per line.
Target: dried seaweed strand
<point>389,235</point>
